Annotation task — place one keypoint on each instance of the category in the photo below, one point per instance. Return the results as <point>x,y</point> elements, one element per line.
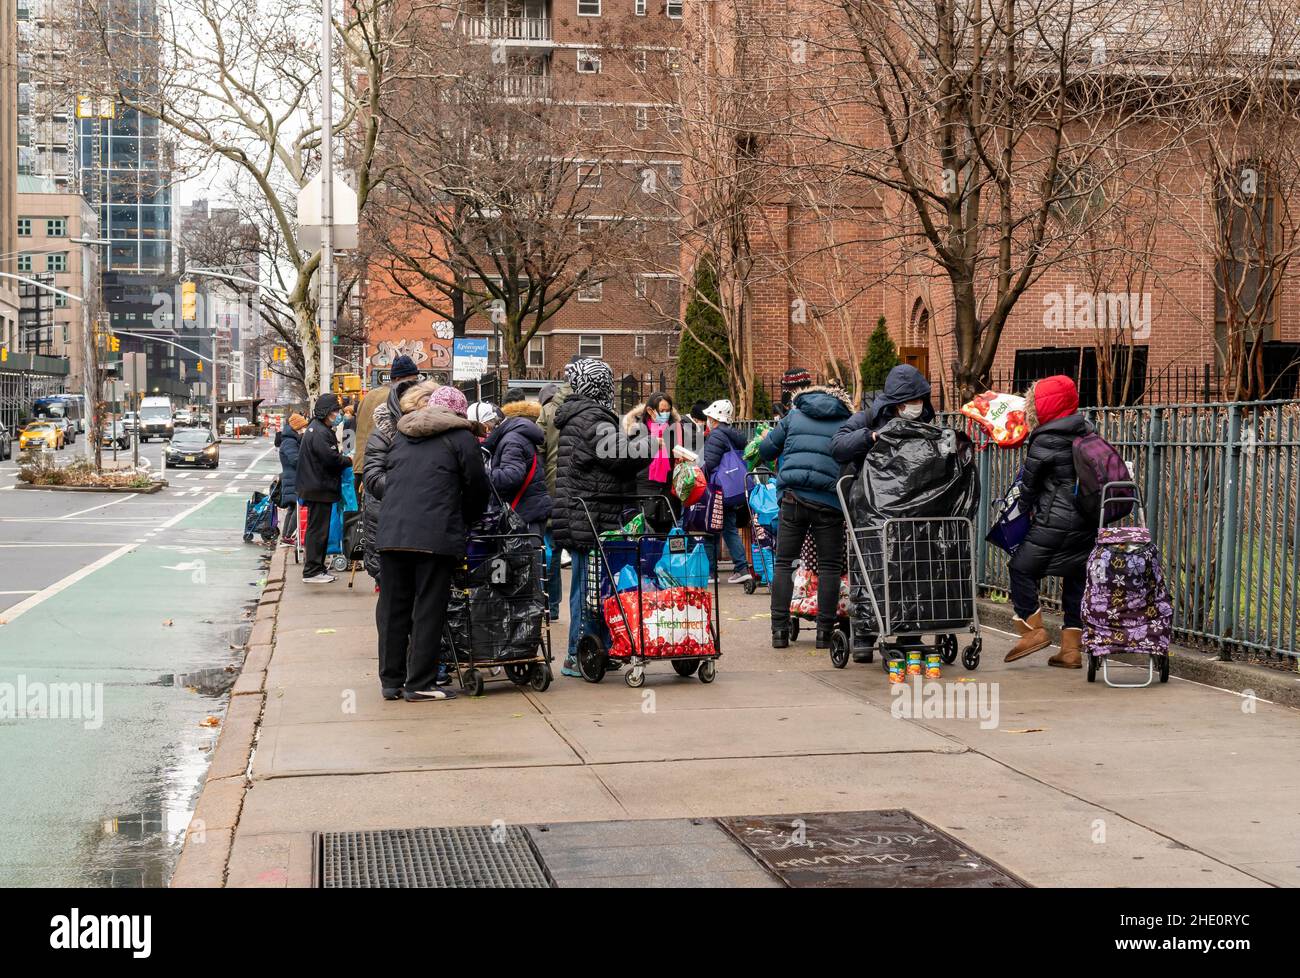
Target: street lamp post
<point>326,271</point>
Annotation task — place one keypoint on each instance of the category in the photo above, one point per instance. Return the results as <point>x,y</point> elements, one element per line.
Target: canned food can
<point>895,670</point>
<point>914,663</point>
<point>933,664</point>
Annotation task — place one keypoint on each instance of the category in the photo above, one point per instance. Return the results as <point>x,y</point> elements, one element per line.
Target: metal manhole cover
<point>891,848</point>
<point>475,856</point>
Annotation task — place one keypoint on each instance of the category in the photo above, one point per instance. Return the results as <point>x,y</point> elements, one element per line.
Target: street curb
<point>210,835</point>
<point>147,491</point>
<point>1196,665</point>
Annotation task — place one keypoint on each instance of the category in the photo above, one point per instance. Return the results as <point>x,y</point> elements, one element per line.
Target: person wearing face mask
<point>656,419</point>
<point>320,467</point>
<point>906,395</point>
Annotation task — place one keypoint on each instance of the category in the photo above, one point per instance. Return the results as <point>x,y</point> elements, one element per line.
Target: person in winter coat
<point>383,429</point>
<point>517,470</point>
<point>806,477</point>
<point>720,438</point>
<point>434,489</point>
<point>403,369</point>
<point>320,467</point>
<point>656,425</point>
<point>550,398</point>
<point>906,395</point>
<point>597,467</point>
<point>1060,536</point>
<point>290,446</point>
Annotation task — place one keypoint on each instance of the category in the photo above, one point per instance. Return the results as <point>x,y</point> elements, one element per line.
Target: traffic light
<point>199,366</point>
<point>189,301</point>
<point>114,344</point>
<point>4,354</point>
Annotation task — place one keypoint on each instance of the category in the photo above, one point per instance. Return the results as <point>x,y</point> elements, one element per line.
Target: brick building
<point>591,57</point>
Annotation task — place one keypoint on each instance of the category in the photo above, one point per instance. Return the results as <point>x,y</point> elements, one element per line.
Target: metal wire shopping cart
<point>912,577</point>
<point>644,623</point>
<point>498,616</point>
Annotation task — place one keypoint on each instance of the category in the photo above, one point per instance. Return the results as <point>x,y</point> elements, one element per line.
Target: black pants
<point>318,535</point>
<point>411,614</point>
<point>798,519</point>
<point>1024,595</point>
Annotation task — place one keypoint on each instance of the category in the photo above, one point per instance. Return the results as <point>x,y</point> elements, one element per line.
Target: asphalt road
<point>140,598</point>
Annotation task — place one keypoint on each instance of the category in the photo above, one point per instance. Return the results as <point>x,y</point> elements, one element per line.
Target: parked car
<point>41,434</point>
<point>115,433</point>
<point>183,419</point>
<point>237,425</point>
<point>129,421</point>
<point>193,446</point>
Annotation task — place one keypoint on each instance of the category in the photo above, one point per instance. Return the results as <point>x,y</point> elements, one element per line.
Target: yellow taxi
<point>40,434</point>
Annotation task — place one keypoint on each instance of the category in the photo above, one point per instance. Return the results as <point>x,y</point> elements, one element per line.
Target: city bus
<point>70,406</point>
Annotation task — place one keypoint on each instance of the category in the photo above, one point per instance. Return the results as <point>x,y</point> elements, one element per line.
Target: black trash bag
<point>498,602</point>
<point>917,471</point>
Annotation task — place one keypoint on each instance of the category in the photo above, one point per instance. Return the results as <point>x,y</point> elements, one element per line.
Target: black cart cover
<point>497,603</point>
<point>918,471</point>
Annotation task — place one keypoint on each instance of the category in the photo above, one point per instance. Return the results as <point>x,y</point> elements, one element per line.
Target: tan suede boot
<point>1070,656</point>
<point>1033,636</point>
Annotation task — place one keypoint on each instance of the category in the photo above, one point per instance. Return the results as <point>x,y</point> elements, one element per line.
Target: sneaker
<point>570,668</point>
<point>429,695</point>
<point>740,577</point>
<point>444,677</point>
<point>392,693</point>
<point>320,579</point>
<point>287,543</point>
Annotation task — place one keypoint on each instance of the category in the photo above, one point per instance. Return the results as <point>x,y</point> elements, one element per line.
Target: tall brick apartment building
<point>586,55</point>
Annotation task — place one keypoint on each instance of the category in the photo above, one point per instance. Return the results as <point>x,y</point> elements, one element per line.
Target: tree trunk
<point>304,314</point>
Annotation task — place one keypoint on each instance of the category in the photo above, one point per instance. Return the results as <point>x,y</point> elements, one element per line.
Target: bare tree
<point>240,84</point>
<point>1243,152</point>
<point>976,121</point>
<point>500,197</point>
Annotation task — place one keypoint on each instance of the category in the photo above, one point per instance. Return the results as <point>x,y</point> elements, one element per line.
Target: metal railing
<point>506,28</point>
<point>1221,487</point>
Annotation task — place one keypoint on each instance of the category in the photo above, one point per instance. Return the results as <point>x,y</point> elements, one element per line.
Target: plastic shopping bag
<point>1001,416</point>
<point>628,579</point>
<point>680,568</point>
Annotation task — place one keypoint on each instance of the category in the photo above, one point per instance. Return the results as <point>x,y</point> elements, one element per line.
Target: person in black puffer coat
<point>434,490</point>
<point>383,429</point>
<point>320,468</point>
<point>516,447</point>
<point>1060,536</point>
<point>906,395</point>
<point>595,465</point>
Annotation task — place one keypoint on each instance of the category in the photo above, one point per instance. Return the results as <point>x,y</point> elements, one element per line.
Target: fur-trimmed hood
<point>522,409</point>
<point>430,420</point>
<point>633,419</point>
<point>820,401</point>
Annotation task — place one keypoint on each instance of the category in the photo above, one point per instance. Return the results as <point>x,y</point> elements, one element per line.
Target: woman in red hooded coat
<point>1060,536</point>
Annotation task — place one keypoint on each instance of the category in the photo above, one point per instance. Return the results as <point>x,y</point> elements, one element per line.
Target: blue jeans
<point>554,584</point>
<point>731,536</point>
<point>580,621</point>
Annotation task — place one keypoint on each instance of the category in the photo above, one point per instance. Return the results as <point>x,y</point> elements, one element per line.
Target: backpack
<point>729,478</point>
<point>1096,464</point>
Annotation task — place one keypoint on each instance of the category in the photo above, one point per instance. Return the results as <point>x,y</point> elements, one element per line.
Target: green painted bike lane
<point>101,799</point>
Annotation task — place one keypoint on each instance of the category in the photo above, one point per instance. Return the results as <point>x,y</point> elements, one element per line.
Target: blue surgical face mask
<point>662,417</point>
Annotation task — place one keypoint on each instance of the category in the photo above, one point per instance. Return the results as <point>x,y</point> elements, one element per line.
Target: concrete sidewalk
<point>1077,784</point>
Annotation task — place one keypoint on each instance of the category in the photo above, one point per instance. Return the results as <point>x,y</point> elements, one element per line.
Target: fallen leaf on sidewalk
<point>209,722</point>
<point>516,715</point>
<point>1027,730</point>
<point>324,631</point>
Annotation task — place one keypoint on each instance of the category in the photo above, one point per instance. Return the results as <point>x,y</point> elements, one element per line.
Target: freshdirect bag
<point>676,621</point>
<point>1000,416</point>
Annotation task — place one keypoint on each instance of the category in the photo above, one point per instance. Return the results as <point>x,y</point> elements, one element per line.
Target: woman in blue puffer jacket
<point>806,477</point>
<point>516,469</point>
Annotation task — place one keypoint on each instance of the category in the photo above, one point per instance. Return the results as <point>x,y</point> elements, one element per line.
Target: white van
<point>155,418</point>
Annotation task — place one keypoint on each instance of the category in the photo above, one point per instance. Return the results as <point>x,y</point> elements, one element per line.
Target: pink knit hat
<point>450,398</point>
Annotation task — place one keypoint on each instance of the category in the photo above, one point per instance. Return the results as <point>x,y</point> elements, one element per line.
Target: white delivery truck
<point>155,418</point>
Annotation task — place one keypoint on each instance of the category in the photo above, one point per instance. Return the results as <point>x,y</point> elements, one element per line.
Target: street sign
<point>469,358</point>
<point>345,215</point>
